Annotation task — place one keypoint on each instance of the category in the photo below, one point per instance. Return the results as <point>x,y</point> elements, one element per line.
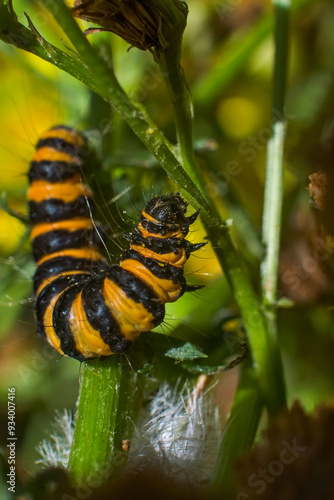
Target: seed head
<point>153,25</point>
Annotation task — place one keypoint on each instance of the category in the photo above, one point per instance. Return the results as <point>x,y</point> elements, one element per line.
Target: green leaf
<point>214,369</point>
<point>187,352</point>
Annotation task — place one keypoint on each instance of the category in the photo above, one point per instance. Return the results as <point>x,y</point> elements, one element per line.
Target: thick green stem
<point>272,211</point>
<point>107,392</point>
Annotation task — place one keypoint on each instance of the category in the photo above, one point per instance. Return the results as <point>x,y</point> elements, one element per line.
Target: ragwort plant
<point>110,392</point>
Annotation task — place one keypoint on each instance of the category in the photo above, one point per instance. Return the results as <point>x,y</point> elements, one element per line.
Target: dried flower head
<point>146,24</point>
<point>295,463</point>
<point>301,245</point>
<point>321,185</point>
<point>318,188</point>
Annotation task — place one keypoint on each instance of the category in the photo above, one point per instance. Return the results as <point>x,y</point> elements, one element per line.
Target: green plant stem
<point>183,109</point>
<point>15,33</point>
<point>264,352</point>
<point>263,348</point>
<point>107,392</point>
<point>272,210</point>
<point>134,114</point>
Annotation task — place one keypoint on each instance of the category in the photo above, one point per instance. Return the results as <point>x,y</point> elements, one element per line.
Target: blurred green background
<point>227,59</point>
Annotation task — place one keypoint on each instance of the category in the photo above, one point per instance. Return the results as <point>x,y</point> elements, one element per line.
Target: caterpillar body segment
<point>86,308</point>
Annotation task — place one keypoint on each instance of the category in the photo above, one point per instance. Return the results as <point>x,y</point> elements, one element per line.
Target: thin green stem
<point>134,114</point>
<point>272,210</point>
<point>172,72</point>
<point>263,350</point>
<point>18,35</point>
<point>282,14</point>
<point>265,355</point>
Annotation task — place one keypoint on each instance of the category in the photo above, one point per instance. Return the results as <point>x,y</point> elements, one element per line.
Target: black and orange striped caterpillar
<point>86,308</point>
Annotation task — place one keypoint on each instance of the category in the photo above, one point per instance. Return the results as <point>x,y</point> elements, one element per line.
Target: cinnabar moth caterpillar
<point>84,307</point>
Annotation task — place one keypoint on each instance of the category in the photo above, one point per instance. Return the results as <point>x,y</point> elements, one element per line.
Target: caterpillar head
<point>170,209</point>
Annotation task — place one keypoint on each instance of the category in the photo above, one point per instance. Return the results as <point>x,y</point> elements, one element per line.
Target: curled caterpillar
<point>86,308</point>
